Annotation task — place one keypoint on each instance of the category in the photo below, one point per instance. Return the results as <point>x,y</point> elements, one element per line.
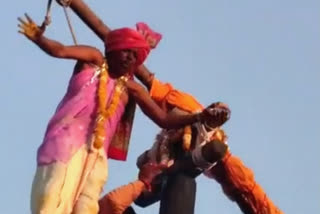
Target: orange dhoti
<point>236,179</point>
<point>238,183</point>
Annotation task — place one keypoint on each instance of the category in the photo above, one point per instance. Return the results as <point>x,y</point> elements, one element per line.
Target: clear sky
<point>260,57</point>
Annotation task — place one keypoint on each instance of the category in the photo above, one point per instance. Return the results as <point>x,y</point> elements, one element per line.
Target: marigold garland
<point>219,135</point>
<point>104,112</point>
<point>187,136</point>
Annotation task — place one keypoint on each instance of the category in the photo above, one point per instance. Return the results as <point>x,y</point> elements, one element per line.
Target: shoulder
<point>81,66</point>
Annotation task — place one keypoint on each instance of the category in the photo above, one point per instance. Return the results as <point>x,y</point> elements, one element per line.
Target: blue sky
<point>260,57</point>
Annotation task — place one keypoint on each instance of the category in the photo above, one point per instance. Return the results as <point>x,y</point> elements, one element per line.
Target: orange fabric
<point>118,200</point>
<point>239,185</point>
<point>164,93</point>
<point>236,179</point>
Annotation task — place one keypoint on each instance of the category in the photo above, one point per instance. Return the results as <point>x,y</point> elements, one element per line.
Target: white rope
<point>70,25</point>
<point>65,4</point>
<point>47,18</point>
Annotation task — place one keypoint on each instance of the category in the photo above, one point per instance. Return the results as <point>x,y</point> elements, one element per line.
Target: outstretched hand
<point>29,28</point>
<point>216,114</point>
<point>149,172</point>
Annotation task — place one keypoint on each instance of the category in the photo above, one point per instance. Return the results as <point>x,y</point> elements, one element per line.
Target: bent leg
<point>238,183</point>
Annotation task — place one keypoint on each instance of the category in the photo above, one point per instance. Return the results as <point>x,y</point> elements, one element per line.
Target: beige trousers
<point>73,187</point>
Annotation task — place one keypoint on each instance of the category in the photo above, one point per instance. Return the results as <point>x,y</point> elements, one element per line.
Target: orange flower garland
<point>187,135</point>
<point>99,133</point>
<point>219,135</point>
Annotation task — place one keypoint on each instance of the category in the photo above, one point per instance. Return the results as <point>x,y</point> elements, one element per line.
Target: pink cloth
<point>72,124</point>
<point>152,37</point>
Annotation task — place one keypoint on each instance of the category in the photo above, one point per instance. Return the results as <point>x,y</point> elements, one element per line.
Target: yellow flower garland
<point>187,136</point>
<point>104,112</point>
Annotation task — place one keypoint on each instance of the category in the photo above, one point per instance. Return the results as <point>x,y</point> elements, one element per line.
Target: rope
<point>70,25</point>
<point>47,18</point>
<point>66,4</point>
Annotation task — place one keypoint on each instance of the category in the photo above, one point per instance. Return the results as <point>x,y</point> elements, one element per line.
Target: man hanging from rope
<point>93,120</point>
<point>235,178</point>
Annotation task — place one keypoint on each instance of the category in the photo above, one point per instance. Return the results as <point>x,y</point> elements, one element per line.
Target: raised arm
<point>82,53</point>
<point>145,76</point>
<point>165,120</point>
<point>155,113</point>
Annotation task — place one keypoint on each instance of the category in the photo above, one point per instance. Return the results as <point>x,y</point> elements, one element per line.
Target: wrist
<point>37,38</point>
<point>140,183</point>
<point>145,183</point>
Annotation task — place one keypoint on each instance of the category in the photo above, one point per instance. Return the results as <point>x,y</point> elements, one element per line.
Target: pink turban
<point>142,39</point>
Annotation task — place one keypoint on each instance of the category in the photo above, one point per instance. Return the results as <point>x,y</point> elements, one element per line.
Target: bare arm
<point>145,76</point>
<point>155,113</point>
<point>118,200</point>
<point>56,49</point>
<point>80,52</point>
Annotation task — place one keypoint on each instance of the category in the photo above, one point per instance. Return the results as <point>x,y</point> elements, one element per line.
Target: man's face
<point>122,62</point>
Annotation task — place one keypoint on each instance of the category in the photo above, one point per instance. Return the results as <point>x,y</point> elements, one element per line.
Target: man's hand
<point>149,171</point>
<point>30,29</point>
<point>216,114</point>
<point>142,159</point>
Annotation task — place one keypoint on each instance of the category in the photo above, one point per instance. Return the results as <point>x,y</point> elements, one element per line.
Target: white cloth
<point>60,188</point>
<point>203,137</point>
